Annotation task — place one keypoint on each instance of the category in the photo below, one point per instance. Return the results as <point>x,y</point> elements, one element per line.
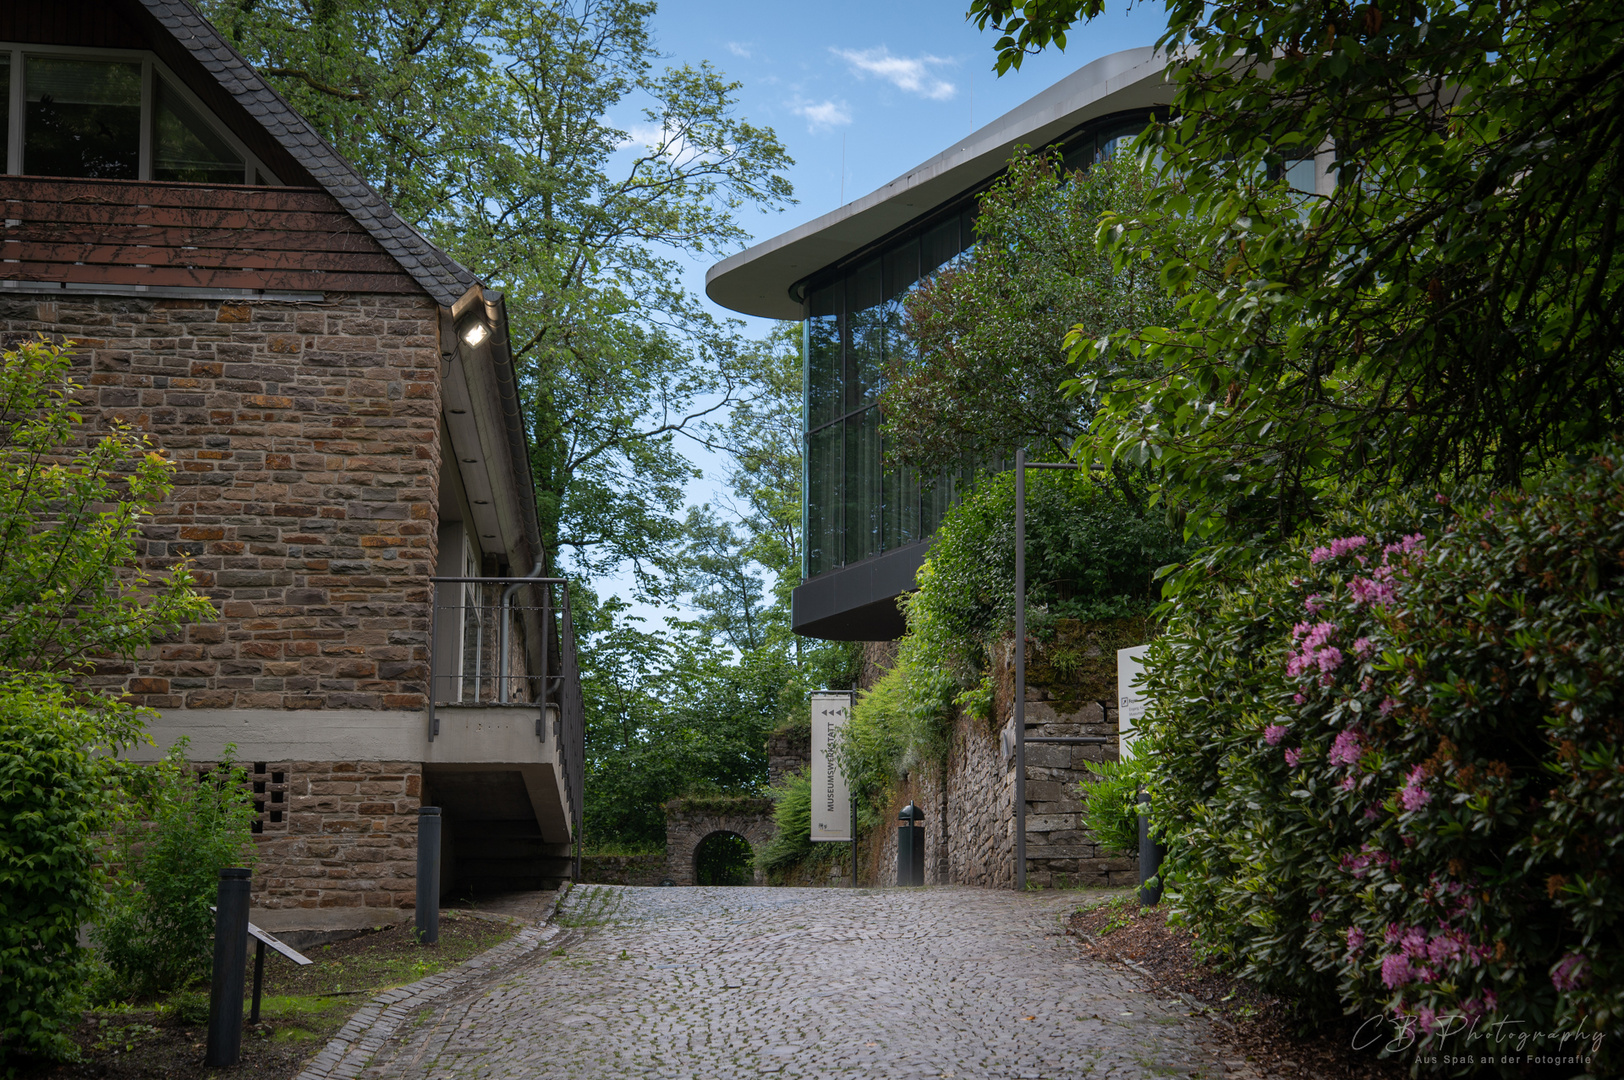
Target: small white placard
<point>1130,703</point>
<point>831,795</point>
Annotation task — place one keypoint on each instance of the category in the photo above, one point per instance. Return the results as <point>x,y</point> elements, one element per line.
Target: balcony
<point>505,728</point>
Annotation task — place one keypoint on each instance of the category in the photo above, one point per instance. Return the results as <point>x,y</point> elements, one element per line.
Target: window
<point>111,115</point>
<point>83,118</point>
<point>185,146</point>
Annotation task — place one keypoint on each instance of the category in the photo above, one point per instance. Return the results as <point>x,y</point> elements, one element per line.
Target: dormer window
<point>112,116</point>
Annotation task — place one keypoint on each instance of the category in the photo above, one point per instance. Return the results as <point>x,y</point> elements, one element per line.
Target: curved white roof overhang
<point>760,279</point>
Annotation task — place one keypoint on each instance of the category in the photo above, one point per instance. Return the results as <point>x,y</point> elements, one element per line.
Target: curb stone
<point>364,1034</point>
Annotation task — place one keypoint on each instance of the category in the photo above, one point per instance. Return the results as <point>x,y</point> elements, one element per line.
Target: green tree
<point>987,332</point>
<point>541,145</point>
<point>687,709</point>
<point>1449,310</point>
<point>745,555</point>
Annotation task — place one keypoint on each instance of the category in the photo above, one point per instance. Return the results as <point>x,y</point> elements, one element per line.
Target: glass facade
<point>854,508</point>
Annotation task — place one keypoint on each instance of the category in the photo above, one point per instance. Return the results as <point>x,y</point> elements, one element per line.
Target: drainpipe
<point>507,598</point>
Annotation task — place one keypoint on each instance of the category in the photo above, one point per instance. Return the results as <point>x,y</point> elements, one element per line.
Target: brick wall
<point>306,443</point>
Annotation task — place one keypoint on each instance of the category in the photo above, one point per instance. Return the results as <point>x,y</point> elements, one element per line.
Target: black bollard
<point>230,965</point>
<point>911,846</point>
<point>428,875</point>
<point>1150,857</point>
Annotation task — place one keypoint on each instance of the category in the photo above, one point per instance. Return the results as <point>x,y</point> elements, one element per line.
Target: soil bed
<point>1256,1023</point>
<point>301,1007</point>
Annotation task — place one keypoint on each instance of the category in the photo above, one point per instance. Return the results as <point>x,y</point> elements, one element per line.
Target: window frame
<point>152,69</point>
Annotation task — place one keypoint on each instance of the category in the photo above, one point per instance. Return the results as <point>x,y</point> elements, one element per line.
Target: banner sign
<point>1130,703</point>
<point>831,796</point>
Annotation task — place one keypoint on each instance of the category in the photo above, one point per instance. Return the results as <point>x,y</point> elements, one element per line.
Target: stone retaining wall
<point>971,802</point>
<point>623,869</point>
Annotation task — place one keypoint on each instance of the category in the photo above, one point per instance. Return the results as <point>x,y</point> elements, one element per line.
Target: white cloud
<point>823,114</point>
<point>912,74</point>
<point>739,49</point>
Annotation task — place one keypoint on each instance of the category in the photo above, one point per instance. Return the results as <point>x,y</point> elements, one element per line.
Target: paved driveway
<point>727,982</point>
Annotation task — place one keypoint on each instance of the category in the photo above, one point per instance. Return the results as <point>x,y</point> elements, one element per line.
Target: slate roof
<point>441,276</point>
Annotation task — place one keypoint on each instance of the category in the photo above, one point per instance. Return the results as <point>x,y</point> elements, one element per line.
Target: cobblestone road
<point>713,983</point>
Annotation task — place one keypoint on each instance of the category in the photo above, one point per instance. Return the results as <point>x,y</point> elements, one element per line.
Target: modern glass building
<point>844,276</point>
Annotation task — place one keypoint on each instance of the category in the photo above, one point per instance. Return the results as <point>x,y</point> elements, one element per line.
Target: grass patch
<point>300,1010</point>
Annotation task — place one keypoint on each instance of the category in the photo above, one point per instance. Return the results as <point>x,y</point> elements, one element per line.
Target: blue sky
<point>859,93</point>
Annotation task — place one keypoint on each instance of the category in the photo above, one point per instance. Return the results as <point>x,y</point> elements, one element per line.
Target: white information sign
<point>831,796</point>
<point>1130,703</point>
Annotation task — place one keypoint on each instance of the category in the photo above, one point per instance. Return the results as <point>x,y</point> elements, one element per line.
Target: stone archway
<point>688,821</point>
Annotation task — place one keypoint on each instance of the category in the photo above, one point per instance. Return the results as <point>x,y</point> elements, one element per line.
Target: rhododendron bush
<point>1390,770</point>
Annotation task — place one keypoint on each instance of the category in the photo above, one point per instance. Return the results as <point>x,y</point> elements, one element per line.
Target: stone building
<point>339,401</point>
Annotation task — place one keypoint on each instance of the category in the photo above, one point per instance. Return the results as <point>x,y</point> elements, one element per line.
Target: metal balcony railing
<point>508,641</point>
<point>495,641</point>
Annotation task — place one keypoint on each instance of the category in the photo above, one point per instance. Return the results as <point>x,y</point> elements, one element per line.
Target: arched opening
<point>724,858</point>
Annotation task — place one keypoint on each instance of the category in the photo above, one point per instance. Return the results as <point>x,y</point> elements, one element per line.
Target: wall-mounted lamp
<point>474,332</point>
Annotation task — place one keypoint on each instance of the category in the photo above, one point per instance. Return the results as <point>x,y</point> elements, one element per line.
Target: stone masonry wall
<point>306,443</point>
<point>347,841</point>
<point>971,803</point>
<point>307,450</point>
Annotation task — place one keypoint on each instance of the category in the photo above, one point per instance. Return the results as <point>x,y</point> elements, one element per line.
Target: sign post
<point>1130,705</point>
<point>834,811</point>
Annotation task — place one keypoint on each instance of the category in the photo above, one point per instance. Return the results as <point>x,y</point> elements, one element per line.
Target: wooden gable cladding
<point>170,235</point>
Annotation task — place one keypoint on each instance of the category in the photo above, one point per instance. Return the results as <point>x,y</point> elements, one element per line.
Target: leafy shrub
<point>1391,759</point>
<point>792,847</point>
<point>157,931</point>
<point>1091,553</point>
<point>54,771</point>
<point>1111,803</point>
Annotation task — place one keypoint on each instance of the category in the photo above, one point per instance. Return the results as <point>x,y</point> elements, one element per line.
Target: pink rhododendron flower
<point>1570,972</point>
<point>1274,733</point>
<point>1318,916</point>
<point>1356,939</point>
<point>1403,547</point>
<point>1387,706</point>
<point>1314,650</point>
<point>1396,971</point>
<point>1415,795</point>
<point>1348,746</point>
<point>1339,546</point>
<point>1362,646</point>
<point>1312,604</point>
<point>1298,699</point>
<point>1293,756</point>
<point>1348,783</point>
<point>1371,813</point>
<point>1444,948</point>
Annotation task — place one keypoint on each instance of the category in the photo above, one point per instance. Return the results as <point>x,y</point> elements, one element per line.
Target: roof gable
<point>439,275</point>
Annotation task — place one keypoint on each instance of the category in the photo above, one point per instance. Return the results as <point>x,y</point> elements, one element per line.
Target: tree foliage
<point>543,147</point>
<point>687,708</point>
<point>986,332</point>
<point>1449,310</point>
